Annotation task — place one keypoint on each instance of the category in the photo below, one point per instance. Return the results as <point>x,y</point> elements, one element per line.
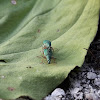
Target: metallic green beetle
<point>47,50</point>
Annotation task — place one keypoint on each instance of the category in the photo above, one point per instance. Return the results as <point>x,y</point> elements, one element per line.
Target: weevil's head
<point>46,43</point>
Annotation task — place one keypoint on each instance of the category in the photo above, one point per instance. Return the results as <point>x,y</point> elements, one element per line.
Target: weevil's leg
<point>44,47</point>
<point>41,57</point>
<point>42,50</point>
<point>42,62</point>
<point>38,56</point>
<point>44,57</point>
<point>52,49</point>
<point>53,57</point>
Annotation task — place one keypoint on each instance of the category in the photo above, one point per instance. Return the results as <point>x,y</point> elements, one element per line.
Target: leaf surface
<point>70,25</point>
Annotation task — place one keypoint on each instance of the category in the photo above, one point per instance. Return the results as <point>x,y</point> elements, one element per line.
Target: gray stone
<point>91,75</point>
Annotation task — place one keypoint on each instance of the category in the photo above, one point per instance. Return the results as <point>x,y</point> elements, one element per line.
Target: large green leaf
<point>71,25</point>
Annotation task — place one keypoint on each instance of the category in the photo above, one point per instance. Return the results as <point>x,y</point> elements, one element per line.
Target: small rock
<point>84,81</point>
<point>58,92</point>
<point>98,93</point>
<point>48,98</point>
<point>74,91</point>
<point>76,83</point>
<point>79,96</point>
<point>83,74</point>
<point>91,69</point>
<point>98,76</point>
<point>85,85</point>
<point>91,96</point>
<point>91,75</point>
<point>97,81</point>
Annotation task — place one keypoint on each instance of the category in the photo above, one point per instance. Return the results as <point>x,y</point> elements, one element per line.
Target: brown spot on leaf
<point>38,30</point>
<point>29,67</point>
<point>11,88</point>
<point>58,30</point>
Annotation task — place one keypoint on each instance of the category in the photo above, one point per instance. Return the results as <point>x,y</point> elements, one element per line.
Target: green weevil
<point>47,50</point>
